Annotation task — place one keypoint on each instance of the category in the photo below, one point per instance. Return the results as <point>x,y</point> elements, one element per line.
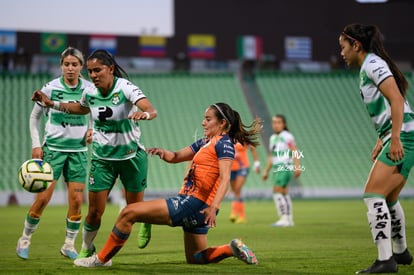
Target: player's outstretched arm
<point>184,154</point>
<point>72,108</point>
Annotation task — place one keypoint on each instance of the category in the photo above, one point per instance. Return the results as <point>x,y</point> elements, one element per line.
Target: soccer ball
<point>35,175</point>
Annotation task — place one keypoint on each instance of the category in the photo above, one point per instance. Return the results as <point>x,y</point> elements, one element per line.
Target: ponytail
<point>236,130</point>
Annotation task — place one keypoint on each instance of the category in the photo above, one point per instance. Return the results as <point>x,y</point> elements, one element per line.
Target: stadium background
<point>315,91</point>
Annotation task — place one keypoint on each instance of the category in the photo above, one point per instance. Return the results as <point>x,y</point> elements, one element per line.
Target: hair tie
<point>221,112</point>
<point>350,37</point>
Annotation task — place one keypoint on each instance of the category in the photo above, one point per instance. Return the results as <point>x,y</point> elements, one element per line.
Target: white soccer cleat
<point>283,222</point>
<point>22,249</point>
<point>91,261</point>
<point>69,251</point>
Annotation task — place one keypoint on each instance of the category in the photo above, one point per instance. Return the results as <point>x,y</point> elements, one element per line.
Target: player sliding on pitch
<point>198,202</point>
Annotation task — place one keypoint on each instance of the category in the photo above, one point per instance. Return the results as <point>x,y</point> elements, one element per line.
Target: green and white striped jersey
<point>374,71</point>
<point>279,146</point>
<point>115,137</point>
<point>65,132</point>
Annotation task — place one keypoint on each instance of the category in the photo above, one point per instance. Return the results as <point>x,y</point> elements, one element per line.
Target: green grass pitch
<point>329,237</point>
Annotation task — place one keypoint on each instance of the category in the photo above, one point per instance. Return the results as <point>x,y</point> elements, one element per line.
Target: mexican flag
<point>249,47</point>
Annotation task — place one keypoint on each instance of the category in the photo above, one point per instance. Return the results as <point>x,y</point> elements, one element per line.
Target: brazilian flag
<point>53,43</point>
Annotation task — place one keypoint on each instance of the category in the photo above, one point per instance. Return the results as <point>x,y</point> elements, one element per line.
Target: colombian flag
<point>152,46</point>
<point>201,46</point>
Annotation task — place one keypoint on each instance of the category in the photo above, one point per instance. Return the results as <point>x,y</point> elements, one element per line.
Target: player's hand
<point>139,116</point>
<point>42,99</point>
<point>89,135</point>
<point>210,216</point>
<point>37,153</point>
<point>264,177</point>
<point>377,149</point>
<point>257,167</point>
<point>156,152</point>
<point>396,149</point>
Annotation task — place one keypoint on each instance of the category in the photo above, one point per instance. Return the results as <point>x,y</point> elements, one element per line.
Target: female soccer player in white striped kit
<point>64,147</point>
<point>383,88</point>
<point>116,106</point>
<point>284,162</point>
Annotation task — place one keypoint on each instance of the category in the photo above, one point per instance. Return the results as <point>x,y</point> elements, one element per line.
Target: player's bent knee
<point>127,215</point>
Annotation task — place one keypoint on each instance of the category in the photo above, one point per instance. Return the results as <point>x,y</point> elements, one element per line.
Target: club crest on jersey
<point>115,99</point>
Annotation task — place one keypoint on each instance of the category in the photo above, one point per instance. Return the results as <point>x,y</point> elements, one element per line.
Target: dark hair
<point>106,58</point>
<point>237,131</point>
<point>74,52</point>
<point>283,118</point>
<point>370,38</point>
